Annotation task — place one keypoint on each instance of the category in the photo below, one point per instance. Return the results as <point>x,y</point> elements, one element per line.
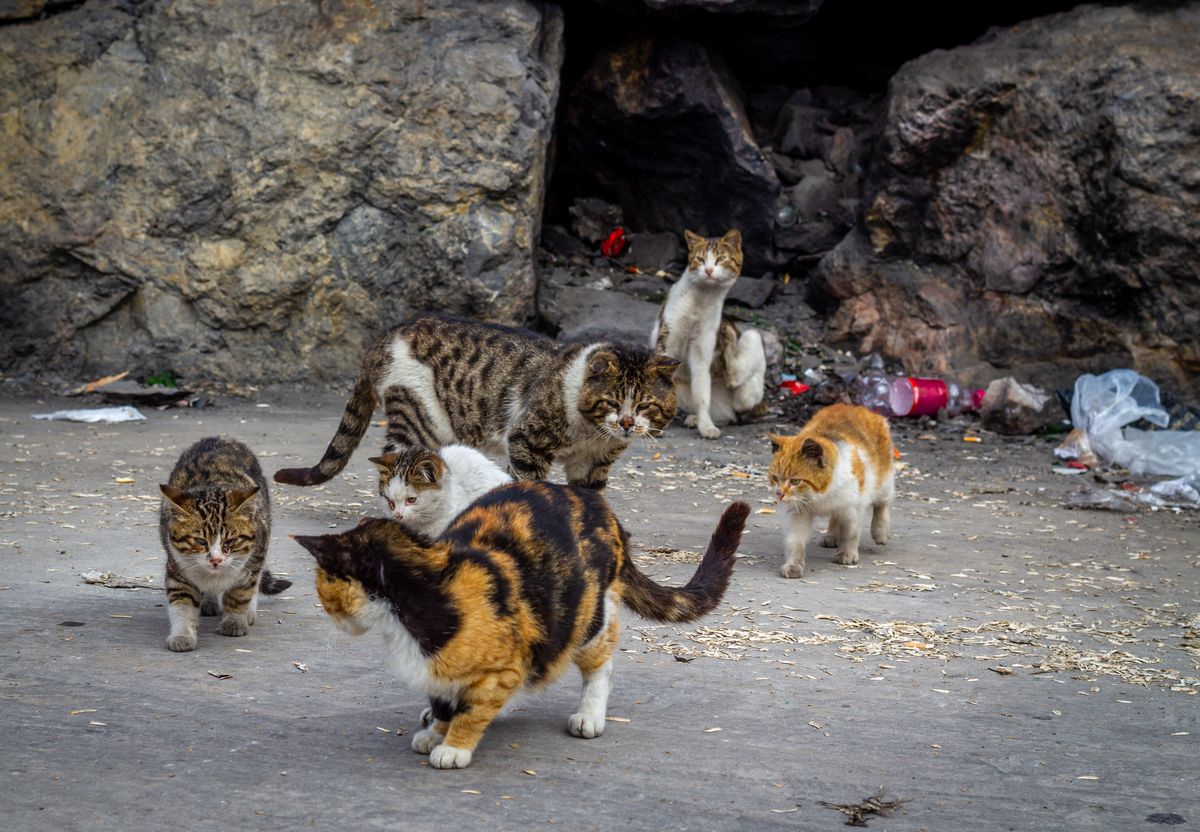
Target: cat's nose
<point>708,271</point>
<point>627,423</point>
<point>216,560</point>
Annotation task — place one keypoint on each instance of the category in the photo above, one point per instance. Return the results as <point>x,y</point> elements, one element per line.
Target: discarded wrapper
<point>107,415</point>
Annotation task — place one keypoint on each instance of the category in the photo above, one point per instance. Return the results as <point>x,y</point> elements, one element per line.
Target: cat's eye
<point>408,501</point>
<point>794,482</point>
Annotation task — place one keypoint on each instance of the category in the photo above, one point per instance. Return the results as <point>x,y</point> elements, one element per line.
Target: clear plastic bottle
<point>926,396</point>
<point>872,389</point>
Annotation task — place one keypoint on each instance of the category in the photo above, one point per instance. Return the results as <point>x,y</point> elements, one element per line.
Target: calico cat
<point>514,395</point>
<point>524,582</point>
<point>215,523</point>
<point>838,465</point>
<point>425,490</point>
<point>724,369</point>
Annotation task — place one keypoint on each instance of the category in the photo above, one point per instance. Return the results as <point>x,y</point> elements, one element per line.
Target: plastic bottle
<point>926,396</point>
<point>873,388</point>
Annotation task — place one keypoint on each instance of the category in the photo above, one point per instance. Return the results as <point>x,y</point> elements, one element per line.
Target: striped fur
<point>522,584</point>
<point>508,392</point>
<point>215,524</point>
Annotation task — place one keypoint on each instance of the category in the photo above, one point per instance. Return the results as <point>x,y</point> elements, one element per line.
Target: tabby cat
<point>522,583</point>
<point>516,396</point>
<point>424,490</point>
<point>215,523</point>
<point>724,369</point>
<point>837,466</point>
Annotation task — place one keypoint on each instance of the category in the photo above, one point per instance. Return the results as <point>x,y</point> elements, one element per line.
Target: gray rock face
<point>249,189</point>
<point>657,126</point>
<point>1036,206</point>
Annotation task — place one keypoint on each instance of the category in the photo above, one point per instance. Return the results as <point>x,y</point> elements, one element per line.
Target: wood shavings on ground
<point>114,581</point>
<point>657,555</point>
<point>857,814</point>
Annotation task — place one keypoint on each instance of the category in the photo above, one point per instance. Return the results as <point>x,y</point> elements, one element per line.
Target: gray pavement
<point>824,689</point>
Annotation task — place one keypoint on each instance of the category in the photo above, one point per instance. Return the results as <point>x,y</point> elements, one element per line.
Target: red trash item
<point>795,387</point>
<point>1076,464</point>
<point>615,243</point>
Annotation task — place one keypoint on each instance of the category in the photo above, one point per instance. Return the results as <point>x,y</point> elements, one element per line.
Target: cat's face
<point>799,469</point>
<point>715,261</point>
<point>628,393</point>
<point>410,483</point>
<point>212,532</point>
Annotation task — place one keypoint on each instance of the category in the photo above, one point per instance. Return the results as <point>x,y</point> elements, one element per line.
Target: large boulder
<point>1035,209</point>
<point>657,125</point>
<point>249,189</point>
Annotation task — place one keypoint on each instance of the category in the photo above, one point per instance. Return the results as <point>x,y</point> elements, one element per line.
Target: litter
<point>1104,405</point>
<point>1017,409</point>
<point>107,415</point>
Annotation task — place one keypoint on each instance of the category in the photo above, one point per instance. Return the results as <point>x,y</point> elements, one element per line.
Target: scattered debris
<point>93,386</point>
<point>301,666</point>
<point>107,415</point>
<point>1017,409</point>
<point>114,581</point>
<point>857,814</point>
<point>218,675</point>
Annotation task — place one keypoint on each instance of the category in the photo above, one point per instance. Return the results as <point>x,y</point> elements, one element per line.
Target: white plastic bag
<point>1103,405</point>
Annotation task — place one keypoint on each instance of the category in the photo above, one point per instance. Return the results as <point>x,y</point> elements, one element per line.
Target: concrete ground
<point>1004,663</point>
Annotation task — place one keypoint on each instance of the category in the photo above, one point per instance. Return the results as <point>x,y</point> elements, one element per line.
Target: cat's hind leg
<point>210,606</point>
<point>594,661</point>
<point>830,540</point>
<point>795,538</point>
<point>881,512</point>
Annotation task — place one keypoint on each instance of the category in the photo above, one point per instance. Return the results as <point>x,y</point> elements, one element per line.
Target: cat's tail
<point>270,585</point>
<point>355,420</point>
<point>706,588</point>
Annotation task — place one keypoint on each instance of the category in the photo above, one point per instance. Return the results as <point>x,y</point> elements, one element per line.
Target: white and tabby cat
<point>425,490</point>
<point>723,371</point>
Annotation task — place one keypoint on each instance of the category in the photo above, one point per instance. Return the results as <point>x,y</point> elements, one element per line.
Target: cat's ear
<point>662,365</point>
<point>776,442</point>
<point>811,449</point>
<point>384,463</point>
<point>429,467</point>
<point>329,551</point>
<point>178,498</point>
<point>693,239</point>
<point>733,238</point>
<point>238,499</point>
<point>603,363</point>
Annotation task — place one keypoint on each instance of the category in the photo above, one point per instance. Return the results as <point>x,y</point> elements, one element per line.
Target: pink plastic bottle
<point>926,396</point>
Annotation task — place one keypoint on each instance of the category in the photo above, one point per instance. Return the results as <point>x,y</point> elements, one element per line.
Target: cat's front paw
<point>447,756</point>
<point>211,606</point>
<point>792,569</point>
<point>690,421</point>
<point>585,725</point>
<point>426,740</point>
<point>829,540</point>
<point>710,431</point>
<point>181,643</point>
<point>231,626</point>
<point>426,718</point>
<point>847,558</point>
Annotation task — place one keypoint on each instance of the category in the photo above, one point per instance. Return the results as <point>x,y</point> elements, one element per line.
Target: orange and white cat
<point>838,466</point>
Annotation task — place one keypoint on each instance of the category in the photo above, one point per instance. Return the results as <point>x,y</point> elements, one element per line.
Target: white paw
<point>426,717</point>
<point>426,740</point>
<point>181,643</point>
<point>710,431</point>
<point>447,756</point>
<point>792,569</point>
<point>690,421</point>
<point>847,558</point>
<point>585,725</point>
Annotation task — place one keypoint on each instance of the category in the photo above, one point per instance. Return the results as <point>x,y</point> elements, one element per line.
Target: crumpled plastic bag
<point>107,415</point>
<point>1103,405</point>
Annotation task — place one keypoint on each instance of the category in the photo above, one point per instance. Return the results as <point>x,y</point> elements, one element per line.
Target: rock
<point>652,289</point>
<point>1033,206</point>
<point>656,125</point>
<point>752,292</point>
<point>558,240</point>
<point>1015,408</point>
<point>843,149</point>
<point>593,219</point>
<point>810,237</point>
<point>816,196</point>
<point>249,190</point>
<point>801,131</point>
<point>584,315</point>
<point>794,11</point>
<point>652,252</point>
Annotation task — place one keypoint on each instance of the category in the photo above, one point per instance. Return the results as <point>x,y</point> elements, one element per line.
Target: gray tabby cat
<point>518,397</point>
<point>215,524</point>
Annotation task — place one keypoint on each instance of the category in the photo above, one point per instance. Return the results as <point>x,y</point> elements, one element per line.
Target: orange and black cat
<point>517,396</point>
<point>524,582</point>
<point>838,466</point>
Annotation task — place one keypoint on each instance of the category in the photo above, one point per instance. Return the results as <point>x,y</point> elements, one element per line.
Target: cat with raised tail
<point>523,584</point>
<point>424,490</point>
<point>723,369</point>
<point>521,398</point>
<point>838,466</point>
